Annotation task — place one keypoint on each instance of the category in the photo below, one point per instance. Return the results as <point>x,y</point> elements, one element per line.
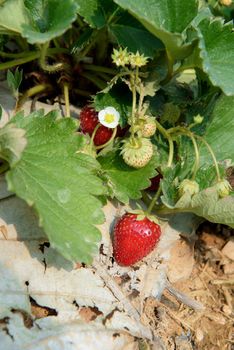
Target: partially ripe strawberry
<point>137,152</point>
<point>155,181</point>
<point>134,239</point>
<point>88,122</point>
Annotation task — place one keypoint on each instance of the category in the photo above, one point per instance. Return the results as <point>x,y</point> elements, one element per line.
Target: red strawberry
<point>88,122</point>
<point>134,239</point>
<point>155,183</point>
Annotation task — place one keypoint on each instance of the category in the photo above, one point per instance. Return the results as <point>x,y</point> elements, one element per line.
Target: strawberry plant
<point>155,84</point>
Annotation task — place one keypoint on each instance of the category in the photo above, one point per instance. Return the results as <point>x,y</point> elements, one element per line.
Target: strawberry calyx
<point>141,215</point>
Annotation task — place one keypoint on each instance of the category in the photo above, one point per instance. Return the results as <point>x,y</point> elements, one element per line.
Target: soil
<point>211,283</point>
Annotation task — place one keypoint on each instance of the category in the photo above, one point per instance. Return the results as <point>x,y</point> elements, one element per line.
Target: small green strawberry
<point>223,188</point>
<point>188,186</point>
<point>137,152</point>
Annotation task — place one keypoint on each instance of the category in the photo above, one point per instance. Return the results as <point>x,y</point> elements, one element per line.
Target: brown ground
<point>211,283</point>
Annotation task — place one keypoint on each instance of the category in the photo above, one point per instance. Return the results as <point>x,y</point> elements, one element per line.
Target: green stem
<point>196,151</point>
<point>109,141</point>
<point>83,92</point>
<point>17,62</point>
<point>192,136</point>
<point>95,80</point>
<point>197,156</point>
<point>154,200</point>
<point>102,69</point>
<point>170,64</point>
<point>51,68</point>
<point>93,135</point>
<point>113,15</point>
<point>87,48</point>
<point>31,92</point>
<point>165,133</point>
<point>212,155</point>
<point>141,100</point>
<point>104,76</point>
<point>66,98</point>
<point>14,55</point>
<point>133,87</point>
<point>27,57</point>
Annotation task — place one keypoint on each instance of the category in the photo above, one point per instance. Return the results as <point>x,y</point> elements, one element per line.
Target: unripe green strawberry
<point>137,152</point>
<point>149,127</point>
<point>189,186</point>
<point>223,188</point>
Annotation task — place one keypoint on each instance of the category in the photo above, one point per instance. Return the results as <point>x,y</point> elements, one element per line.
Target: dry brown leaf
<point>181,263</point>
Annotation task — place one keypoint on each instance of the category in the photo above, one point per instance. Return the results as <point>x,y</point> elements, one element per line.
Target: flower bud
<point>198,119</point>
<point>188,186</point>
<point>137,60</point>
<point>223,188</point>
<point>120,57</point>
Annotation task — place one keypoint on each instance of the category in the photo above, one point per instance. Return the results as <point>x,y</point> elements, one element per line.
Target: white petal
<point>112,110</point>
<point>109,110</point>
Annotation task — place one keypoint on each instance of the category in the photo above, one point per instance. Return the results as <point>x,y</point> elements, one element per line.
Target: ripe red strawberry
<point>155,183</point>
<point>88,122</point>
<point>134,239</point>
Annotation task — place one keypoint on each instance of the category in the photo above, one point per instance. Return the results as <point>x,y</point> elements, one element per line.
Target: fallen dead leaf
<point>181,263</point>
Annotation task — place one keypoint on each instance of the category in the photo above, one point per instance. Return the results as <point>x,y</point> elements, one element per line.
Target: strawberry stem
<point>95,68</point>
<point>109,141</point>
<point>93,135</point>
<point>191,135</point>
<point>66,98</point>
<point>212,155</point>
<point>29,93</point>
<point>51,68</point>
<point>165,133</point>
<point>133,88</point>
<point>154,200</point>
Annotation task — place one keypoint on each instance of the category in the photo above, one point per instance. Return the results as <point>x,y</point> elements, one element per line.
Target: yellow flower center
<point>109,118</point>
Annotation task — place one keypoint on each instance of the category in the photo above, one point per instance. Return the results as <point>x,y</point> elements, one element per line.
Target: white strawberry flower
<point>109,117</point>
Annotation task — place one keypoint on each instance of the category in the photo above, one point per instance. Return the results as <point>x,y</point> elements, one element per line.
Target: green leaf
<point>207,176</point>
<point>83,40</point>
<point>12,143</point>
<point>167,20</point>
<point>14,80</point>
<point>216,44</point>
<point>60,184</point>
<point>118,97</point>
<point>95,12</point>
<point>138,39</point>
<point>48,19</point>
<point>207,204</point>
<point>123,181</point>
<point>12,16</point>
<point>219,133</point>
<point>169,185</point>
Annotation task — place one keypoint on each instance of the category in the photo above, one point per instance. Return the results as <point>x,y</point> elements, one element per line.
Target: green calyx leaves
<point>141,215</point>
